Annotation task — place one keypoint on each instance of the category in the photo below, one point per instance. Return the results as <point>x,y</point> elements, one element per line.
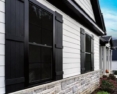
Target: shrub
<point>104,76</point>
<point>107,84</point>
<point>115,72</point>
<point>102,92</point>
<point>112,77</point>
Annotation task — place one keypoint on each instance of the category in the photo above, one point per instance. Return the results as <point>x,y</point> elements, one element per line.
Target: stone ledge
<point>80,84</point>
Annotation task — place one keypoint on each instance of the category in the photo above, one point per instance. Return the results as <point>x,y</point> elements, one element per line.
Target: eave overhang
<point>74,8</point>
<point>104,41</point>
<point>98,14</point>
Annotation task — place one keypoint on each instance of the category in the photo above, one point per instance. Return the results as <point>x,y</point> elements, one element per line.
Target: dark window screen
<point>88,53</point>
<point>88,62</point>
<point>40,44</point>
<point>88,43</point>
<point>41,26</point>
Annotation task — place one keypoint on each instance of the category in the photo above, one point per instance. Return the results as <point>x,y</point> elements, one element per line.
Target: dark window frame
<point>16,39</point>
<point>83,51</point>
<point>27,2</point>
<point>88,53</point>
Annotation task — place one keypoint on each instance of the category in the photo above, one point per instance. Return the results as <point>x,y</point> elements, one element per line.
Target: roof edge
<point>75,8</point>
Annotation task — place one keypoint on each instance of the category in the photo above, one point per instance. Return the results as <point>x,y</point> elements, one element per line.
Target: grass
<point>102,92</point>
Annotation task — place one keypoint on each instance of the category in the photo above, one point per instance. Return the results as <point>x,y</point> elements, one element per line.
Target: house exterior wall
<point>71,43</point>
<point>87,7</point>
<point>114,65</point>
<point>101,58</point>
<point>2,46</point>
<point>96,53</point>
<point>106,58</point>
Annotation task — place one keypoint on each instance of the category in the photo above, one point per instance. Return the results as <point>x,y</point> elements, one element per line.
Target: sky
<point>109,10</point>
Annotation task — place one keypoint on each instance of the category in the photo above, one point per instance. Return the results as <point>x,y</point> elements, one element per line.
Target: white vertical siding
<point>87,7</point>
<point>111,60</point>
<point>96,53</point>
<point>2,46</point>
<point>71,43</point>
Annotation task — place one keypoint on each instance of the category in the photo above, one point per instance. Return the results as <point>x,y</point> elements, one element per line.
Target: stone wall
<point>81,84</point>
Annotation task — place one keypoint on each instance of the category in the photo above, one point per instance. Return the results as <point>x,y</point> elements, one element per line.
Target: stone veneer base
<point>80,84</point>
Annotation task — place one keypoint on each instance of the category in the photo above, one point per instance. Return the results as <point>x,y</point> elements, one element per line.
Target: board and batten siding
<point>2,46</point>
<point>87,7</point>
<point>71,43</point>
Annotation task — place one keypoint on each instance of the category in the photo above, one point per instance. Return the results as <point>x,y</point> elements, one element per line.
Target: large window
<point>40,44</point>
<point>34,45</point>
<point>87,52</point>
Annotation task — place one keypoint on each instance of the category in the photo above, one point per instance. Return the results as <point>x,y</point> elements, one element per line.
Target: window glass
<point>88,62</point>
<point>35,34</point>
<point>46,63</point>
<point>88,53</point>
<point>34,54</point>
<point>40,44</point>
<point>40,36</point>
<point>34,72</point>
<point>40,59</point>
<point>88,43</point>
<point>41,26</point>
<point>47,37</point>
<point>34,63</point>
<point>33,14</point>
<point>47,20</point>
